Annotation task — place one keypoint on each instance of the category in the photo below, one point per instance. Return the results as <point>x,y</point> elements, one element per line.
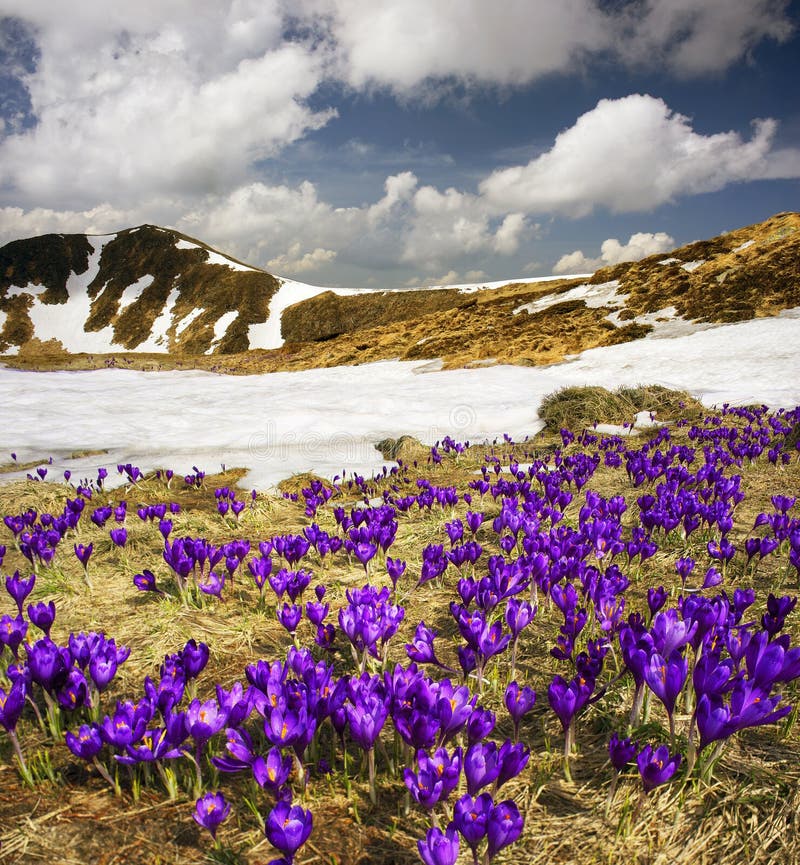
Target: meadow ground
<point>747,811</point>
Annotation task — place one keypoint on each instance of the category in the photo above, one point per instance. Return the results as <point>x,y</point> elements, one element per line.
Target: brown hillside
<point>328,315</point>
<point>146,251</point>
<point>47,260</point>
<point>748,273</point>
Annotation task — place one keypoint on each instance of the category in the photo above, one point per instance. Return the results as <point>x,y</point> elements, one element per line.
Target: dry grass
<point>576,408</point>
<point>748,814</point>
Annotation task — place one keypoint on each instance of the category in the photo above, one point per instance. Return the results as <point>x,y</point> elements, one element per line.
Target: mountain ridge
<point>153,297</point>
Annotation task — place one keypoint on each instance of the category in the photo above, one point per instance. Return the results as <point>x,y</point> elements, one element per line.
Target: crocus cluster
<point>526,547</point>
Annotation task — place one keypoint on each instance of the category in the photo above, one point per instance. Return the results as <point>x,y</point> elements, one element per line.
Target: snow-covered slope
<point>327,420</point>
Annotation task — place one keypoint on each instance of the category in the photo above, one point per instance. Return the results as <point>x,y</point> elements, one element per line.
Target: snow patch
<point>133,292</point>
<point>469,288</point>
<point>65,321</point>
<point>221,325</point>
<point>158,342</point>
<point>324,420</point>
<point>746,245</point>
<point>670,261</point>
<point>31,288</point>
<point>218,258</point>
<point>267,334</point>
<point>689,266</point>
<point>181,326</point>
<point>213,257</point>
<point>604,294</point>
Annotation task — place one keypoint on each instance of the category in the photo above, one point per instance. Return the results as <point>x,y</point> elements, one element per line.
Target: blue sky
<point>401,142</point>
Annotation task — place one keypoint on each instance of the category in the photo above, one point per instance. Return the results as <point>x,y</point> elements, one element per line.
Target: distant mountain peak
<point>157,290</point>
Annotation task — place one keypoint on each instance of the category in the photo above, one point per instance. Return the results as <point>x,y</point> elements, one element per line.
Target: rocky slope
<point>143,289</point>
<point>176,302</point>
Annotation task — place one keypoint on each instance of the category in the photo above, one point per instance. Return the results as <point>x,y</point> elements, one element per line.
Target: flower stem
<point>23,766</point>
<point>371,763</point>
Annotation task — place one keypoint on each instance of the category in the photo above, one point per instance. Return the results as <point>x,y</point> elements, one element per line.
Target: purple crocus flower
<point>568,698</point>
<point>513,758</point>
<point>317,612</point>
<point>471,818</point>
<point>287,828</point>
<point>74,692</point>
<point>656,766</point>
<point>684,567</point>
<point>364,552</point>
<point>713,720</point>
<point>656,598</point>
<point>146,582</point>
<point>621,751</point>
<point>454,707</point>
<point>213,585</point>
<point>47,664</point>
<point>474,520</point>
<point>503,827</point>
<point>103,666</point>
<point>42,615</point>
<point>285,726</point>
<point>480,724</point>
<point>439,848</point>
<point>239,745</point>
<point>126,726</point>
<point>777,611</point>
<point>273,770</point>
<point>210,811</point>
<point>665,677</point>
<point>481,765</point>
<point>518,701</point>
<point>712,578</point>
<point>421,649</point>
<point>12,704</point>
<point>518,615</point>
<point>12,632</point>
<point>119,536</point>
<point>204,720</point>
<point>436,778</point>
<point>19,588</point>
<point>83,553</point>
<point>368,711</point>
<point>260,568</point>
<point>395,568</point>
<point>289,615</point>
<point>194,657</point>
<point>87,743</point>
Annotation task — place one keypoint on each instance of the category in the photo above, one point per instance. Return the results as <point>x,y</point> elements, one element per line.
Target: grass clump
<point>578,407</point>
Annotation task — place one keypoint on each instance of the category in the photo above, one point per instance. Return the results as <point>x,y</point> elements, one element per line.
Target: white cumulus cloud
<point>633,154</point>
<point>612,252</point>
<point>294,261</point>
<point>156,98</point>
<point>416,46</point>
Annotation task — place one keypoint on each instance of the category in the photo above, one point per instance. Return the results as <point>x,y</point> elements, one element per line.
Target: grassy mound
<point>578,407</point>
